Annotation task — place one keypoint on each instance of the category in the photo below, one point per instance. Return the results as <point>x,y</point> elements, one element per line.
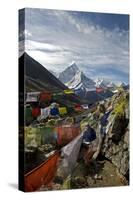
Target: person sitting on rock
<point>89,134</point>
<point>89,143</point>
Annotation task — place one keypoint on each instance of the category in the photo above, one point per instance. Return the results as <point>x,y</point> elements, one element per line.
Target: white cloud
<point>33,45</point>
<point>47,60</point>
<point>55,38</point>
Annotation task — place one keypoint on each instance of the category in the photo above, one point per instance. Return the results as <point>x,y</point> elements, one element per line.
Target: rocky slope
<point>38,78</point>
<point>115,145</point>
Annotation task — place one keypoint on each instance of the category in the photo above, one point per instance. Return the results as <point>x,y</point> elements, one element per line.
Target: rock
<point>56,186</point>
<point>118,128</point>
<point>46,148</point>
<point>90,181</point>
<point>122,178</point>
<point>58,179</point>
<point>126,137</point>
<point>124,163</point>
<point>98,177</point>
<point>79,182</point>
<point>67,183</point>
<point>116,142</point>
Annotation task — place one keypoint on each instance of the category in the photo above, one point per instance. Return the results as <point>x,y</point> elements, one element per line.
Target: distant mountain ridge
<point>83,86</point>
<point>38,78</point>
<point>102,83</point>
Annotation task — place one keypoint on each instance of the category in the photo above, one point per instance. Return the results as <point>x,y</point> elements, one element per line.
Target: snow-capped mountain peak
<point>80,81</point>
<point>69,73</point>
<point>120,84</point>
<point>100,82</point>
<point>73,68</point>
<point>73,63</point>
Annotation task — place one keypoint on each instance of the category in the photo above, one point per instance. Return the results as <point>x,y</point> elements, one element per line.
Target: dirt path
<point>101,174</point>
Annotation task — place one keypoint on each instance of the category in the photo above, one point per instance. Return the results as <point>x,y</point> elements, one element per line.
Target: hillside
<point>38,78</point>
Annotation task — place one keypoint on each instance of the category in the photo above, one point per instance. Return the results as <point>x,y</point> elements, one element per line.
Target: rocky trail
<point>101,174</point>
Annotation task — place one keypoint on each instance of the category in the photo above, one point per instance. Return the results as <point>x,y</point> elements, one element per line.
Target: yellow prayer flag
<point>69,91</point>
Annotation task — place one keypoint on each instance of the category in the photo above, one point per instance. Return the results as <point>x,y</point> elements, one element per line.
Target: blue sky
<point>97,42</point>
